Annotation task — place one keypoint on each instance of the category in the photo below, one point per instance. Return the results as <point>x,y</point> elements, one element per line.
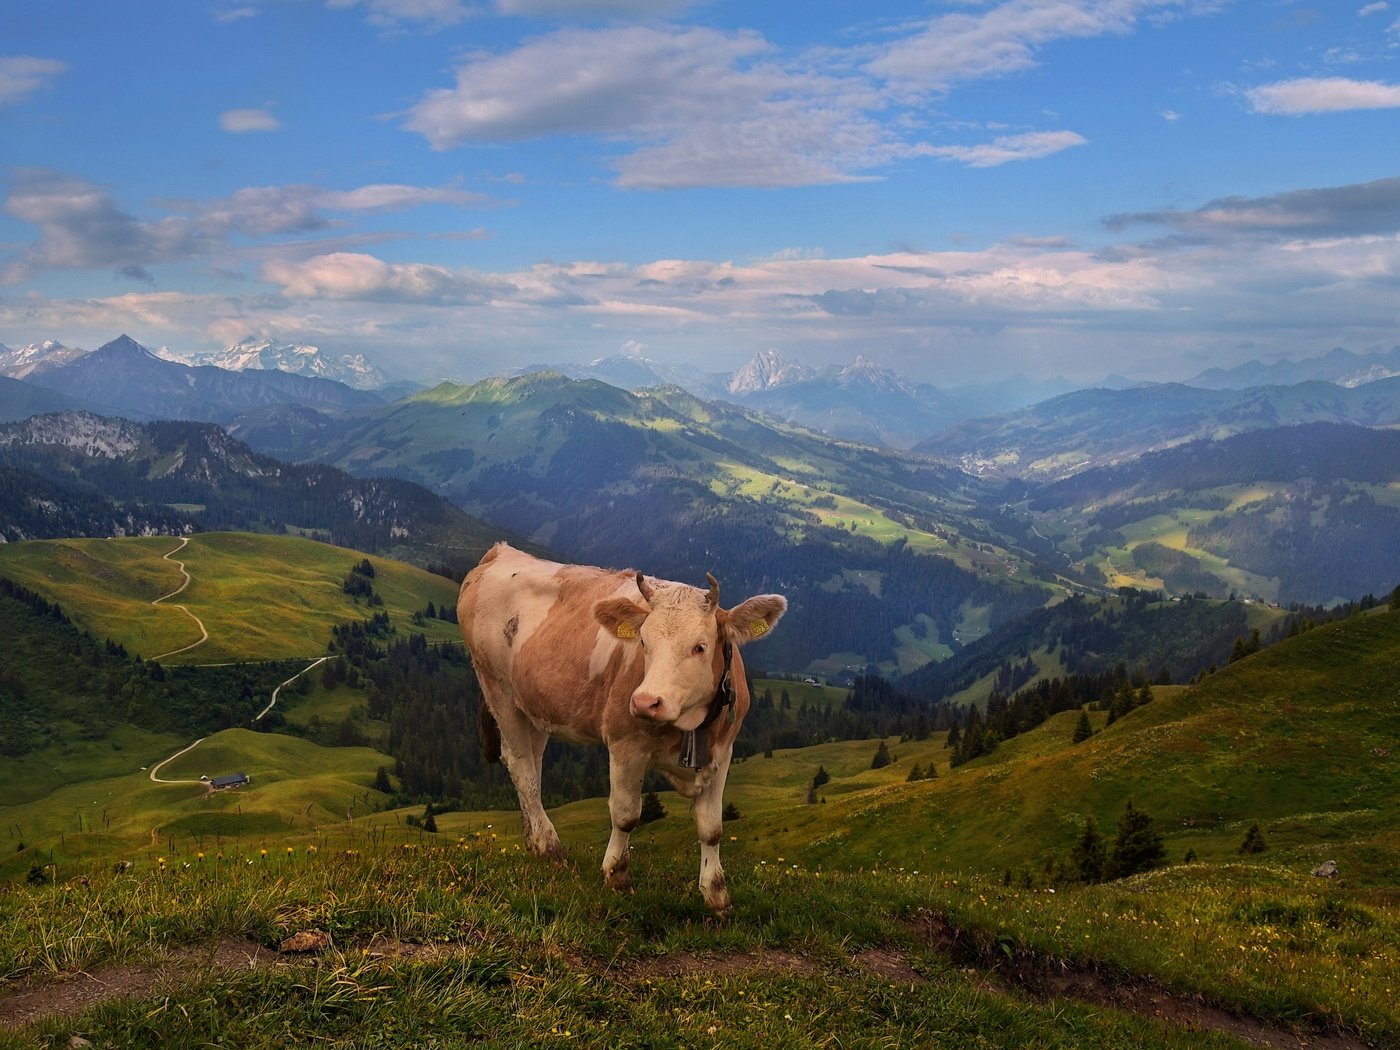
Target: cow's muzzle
<point>645,705</point>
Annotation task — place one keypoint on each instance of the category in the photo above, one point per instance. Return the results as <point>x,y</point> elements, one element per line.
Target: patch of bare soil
<point>1143,996</point>
<point>24,1002</point>
<point>995,971</point>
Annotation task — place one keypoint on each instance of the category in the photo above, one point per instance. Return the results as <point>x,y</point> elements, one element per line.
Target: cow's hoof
<point>720,903</point>
<point>618,880</point>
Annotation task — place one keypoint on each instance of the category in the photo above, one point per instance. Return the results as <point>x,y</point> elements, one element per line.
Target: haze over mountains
<point>924,551</point>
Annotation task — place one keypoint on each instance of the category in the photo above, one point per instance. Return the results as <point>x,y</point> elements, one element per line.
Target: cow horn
<point>647,592</point>
<point>712,599</point>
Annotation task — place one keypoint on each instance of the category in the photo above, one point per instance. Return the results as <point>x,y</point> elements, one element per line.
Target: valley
<point>978,671</point>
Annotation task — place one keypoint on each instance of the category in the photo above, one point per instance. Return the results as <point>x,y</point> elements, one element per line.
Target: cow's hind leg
<point>709,828</point>
<point>625,772</point>
<point>522,747</point>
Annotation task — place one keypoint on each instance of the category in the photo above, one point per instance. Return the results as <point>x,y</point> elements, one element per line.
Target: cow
<point>650,668</point>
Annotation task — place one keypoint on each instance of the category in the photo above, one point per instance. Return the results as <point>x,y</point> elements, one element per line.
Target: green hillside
<point>1291,514</point>
<point>905,913</point>
<point>259,597</point>
<point>1299,738</point>
<point>884,557</point>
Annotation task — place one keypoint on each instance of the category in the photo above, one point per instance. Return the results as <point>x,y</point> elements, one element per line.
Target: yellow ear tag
<point>758,628</point>
<point>626,630</point>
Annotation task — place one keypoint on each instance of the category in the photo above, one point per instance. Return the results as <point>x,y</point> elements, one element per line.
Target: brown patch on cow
<point>512,625</point>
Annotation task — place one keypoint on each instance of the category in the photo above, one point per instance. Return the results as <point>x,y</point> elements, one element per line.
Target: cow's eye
<point>698,650</point>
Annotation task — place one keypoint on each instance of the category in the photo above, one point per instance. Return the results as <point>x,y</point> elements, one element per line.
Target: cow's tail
<point>490,735</point>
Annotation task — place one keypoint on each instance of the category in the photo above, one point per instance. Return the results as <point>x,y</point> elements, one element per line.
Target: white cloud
<point>235,14</point>
<point>1171,116</point>
<point>1028,146</point>
<point>1371,9</point>
<point>352,275</point>
<point>241,121</point>
<point>82,227</point>
<point>1322,95</point>
<point>594,8</point>
<point>697,106</point>
<point>392,14</point>
<point>22,75</point>
<point>1001,40</point>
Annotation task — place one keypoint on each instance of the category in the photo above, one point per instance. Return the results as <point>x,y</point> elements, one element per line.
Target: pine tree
<point>1253,841</point>
<point>1395,599</point>
<point>1090,854</point>
<point>381,781</point>
<point>1082,729</point>
<point>429,820</point>
<point>1139,846</point>
<point>916,772</point>
<point>652,809</point>
<point>882,757</point>
<point>821,777</point>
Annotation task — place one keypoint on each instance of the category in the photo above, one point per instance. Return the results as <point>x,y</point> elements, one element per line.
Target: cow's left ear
<point>755,617</point>
<point>621,616</point>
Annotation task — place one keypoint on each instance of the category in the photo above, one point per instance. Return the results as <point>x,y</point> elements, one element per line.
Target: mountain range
<point>1090,428</point>
<point>124,378</point>
<point>76,474</point>
<point>1339,366</point>
<point>252,353</point>
<point>1143,486</point>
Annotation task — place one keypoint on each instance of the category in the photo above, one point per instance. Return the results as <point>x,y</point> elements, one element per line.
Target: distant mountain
<point>124,378</point>
<point>20,400</point>
<point>885,558</point>
<point>250,353</point>
<point>25,361</point>
<point>861,402</point>
<point>175,476</point>
<point>1337,366</point>
<point>764,372</point>
<point>1090,428</point>
<point>1290,514</point>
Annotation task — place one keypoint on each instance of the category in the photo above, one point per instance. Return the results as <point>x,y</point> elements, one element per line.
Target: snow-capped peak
<point>766,370</point>
<point>252,352</point>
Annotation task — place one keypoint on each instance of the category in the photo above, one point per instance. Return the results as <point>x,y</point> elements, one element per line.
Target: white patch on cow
<point>605,643</point>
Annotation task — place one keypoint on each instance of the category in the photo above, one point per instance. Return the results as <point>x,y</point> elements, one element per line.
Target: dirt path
<point>258,717</point>
<point>272,703</point>
<point>24,1002</point>
<point>204,634</point>
<point>156,768</point>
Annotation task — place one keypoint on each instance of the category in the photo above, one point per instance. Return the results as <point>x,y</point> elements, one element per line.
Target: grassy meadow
<point>886,913</point>
<point>259,597</point>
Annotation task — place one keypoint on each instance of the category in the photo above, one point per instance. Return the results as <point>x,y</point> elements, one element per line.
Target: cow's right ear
<point>621,616</point>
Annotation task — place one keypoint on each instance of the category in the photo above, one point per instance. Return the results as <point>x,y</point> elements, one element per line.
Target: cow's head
<point>682,631</point>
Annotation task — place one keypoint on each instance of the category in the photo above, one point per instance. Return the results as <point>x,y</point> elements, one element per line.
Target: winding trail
<point>184,540</point>
<point>156,768</point>
<point>256,718</point>
<point>271,703</point>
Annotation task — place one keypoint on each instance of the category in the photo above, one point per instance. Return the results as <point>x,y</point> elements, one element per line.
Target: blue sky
<point>958,190</point>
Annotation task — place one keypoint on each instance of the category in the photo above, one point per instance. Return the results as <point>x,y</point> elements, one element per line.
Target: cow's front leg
<point>709,828</point>
<point>625,772</point>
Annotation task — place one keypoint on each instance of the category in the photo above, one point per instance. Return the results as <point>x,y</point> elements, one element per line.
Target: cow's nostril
<point>645,704</point>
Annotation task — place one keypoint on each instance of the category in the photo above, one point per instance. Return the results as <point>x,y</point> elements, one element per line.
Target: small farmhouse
<point>228,780</point>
